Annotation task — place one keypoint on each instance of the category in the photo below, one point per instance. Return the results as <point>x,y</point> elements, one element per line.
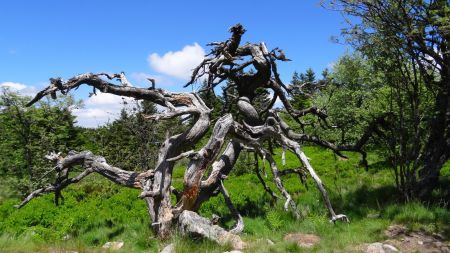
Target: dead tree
<point>229,137</point>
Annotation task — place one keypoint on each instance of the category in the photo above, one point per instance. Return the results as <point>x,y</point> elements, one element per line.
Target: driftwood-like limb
<point>239,226</point>
<point>261,180</point>
<point>301,173</point>
<point>156,192</point>
<point>193,224</point>
<point>91,163</point>
<point>253,135</point>
<point>280,186</point>
<point>374,127</point>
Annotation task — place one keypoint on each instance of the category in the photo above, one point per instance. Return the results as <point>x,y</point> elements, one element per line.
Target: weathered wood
<point>230,136</point>
<point>190,223</point>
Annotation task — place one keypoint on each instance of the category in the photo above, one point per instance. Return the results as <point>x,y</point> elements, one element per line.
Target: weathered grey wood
<point>239,226</point>
<point>226,61</point>
<point>193,224</point>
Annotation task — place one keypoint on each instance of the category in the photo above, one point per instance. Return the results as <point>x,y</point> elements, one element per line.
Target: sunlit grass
<point>97,211</point>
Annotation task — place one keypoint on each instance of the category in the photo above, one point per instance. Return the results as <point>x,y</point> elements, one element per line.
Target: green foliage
<point>96,211</point>
<point>274,220</point>
<point>352,100</point>
<point>131,142</point>
<point>407,42</point>
<point>302,87</point>
<point>27,134</point>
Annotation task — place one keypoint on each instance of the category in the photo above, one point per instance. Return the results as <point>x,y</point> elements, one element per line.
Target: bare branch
<point>91,163</point>
<point>239,226</point>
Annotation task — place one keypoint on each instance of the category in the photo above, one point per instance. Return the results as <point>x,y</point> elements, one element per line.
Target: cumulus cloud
<point>178,64</point>
<point>13,86</point>
<point>100,109</point>
<point>160,80</point>
<point>20,88</point>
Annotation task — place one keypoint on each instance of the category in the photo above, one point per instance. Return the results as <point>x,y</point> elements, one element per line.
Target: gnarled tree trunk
<point>228,138</point>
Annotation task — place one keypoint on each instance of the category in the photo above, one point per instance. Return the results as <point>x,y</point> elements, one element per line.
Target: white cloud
<point>160,80</point>
<point>178,64</point>
<point>91,117</point>
<point>13,86</point>
<point>100,109</point>
<point>104,99</point>
<point>21,88</point>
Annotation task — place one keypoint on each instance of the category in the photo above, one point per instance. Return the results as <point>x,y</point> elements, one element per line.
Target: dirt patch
<point>410,241</point>
<point>303,240</point>
<point>416,241</point>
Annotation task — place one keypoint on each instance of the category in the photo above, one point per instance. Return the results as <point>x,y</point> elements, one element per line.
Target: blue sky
<point>161,39</point>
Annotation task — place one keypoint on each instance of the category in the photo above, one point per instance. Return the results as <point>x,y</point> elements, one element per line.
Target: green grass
<point>96,211</point>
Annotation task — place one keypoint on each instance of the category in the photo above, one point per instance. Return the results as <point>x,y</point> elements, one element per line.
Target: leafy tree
<point>27,134</point>
<point>131,141</point>
<point>302,88</point>
<point>353,97</point>
<point>408,41</point>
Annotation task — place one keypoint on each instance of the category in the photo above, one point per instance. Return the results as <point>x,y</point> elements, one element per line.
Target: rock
<point>375,248</point>
<point>113,245</point>
<point>389,248</point>
<point>169,249</point>
<point>303,240</point>
<point>438,244</point>
<point>439,236</point>
<point>379,247</point>
<point>395,230</point>
<point>373,215</point>
<point>270,242</point>
<point>420,242</point>
<point>233,251</point>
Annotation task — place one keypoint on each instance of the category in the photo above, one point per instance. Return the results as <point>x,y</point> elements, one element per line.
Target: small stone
<point>439,236</point>
<point>420,242</point>
<point>270,242</point>
<point>373,215</point>
<point>379,247</point>
<point>445,249</point>
<point>395,230</point>
<point>303,240</point>
<point>438,244</point>
<point>389,248</point>
<point>169,249</point>
<point>428,241</point>
<point>113,245</point>
<point>376,247</point>
<point>233,251</point>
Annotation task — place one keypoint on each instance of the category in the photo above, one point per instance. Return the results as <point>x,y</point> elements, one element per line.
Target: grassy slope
<point>95,212</point>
